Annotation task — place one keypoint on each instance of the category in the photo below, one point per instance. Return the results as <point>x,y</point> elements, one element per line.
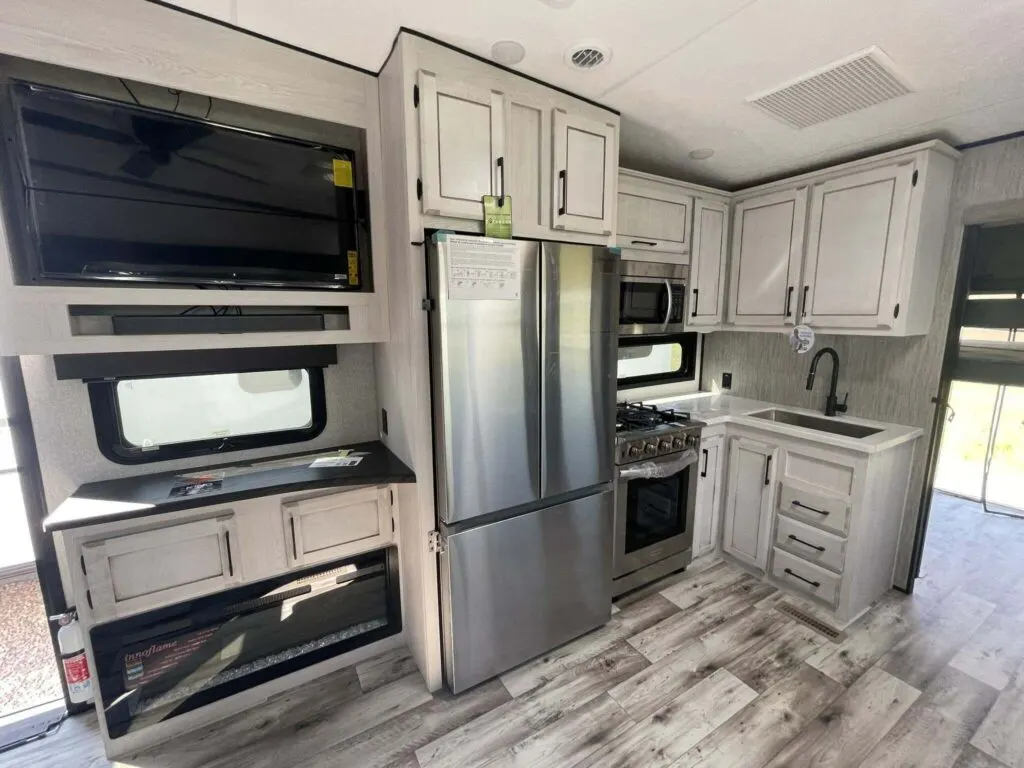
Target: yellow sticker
<point>353,267</point>
<point>342,173</point>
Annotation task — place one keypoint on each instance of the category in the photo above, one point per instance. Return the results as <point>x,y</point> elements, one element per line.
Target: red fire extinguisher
<point>72,656</point>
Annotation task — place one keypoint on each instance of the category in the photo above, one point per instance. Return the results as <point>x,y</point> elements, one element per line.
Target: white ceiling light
<point>702,154</point>
<point>508,52</point>
<point>587,57</point>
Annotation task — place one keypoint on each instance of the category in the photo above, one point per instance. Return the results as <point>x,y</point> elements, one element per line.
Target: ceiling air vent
<point>587,57</point>
<point>848,85</point>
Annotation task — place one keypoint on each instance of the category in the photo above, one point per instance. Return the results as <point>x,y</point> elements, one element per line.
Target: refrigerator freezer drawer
<point>515,589</point>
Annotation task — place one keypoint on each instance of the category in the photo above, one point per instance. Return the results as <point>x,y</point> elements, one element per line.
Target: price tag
<point>801,339</point>
<point>498,218</point>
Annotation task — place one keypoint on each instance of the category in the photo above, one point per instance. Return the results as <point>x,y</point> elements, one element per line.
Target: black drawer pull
<point>767,469</point>
<point>565,192</point>
<point>227,546</point>
<point>806,543</point>
<point>789,301</point>
<point>810,509</point>
<point>295,544</point>
<point>643,242</point>
<point>704,472</point>
<point>814,584</point>
<point>696,296</point>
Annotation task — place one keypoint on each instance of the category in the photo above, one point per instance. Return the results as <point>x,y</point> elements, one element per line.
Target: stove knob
<point>634,451</point>
<point>650,449</point>
<point>678,443</point>
<point>666,444</point>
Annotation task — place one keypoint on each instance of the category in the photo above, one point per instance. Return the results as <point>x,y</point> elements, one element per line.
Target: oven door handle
<point>668,309</point>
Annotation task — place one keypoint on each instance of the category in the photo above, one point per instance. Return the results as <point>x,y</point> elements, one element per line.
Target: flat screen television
<point>98,190</point>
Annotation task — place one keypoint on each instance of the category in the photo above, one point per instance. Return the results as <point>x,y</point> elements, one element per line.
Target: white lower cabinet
<point>746,530</point>
<point>140,571</point>
<point>707,513</point>
<point>325,528</point>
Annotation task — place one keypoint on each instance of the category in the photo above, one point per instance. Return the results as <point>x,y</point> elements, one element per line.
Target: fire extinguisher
<point>72,656</point>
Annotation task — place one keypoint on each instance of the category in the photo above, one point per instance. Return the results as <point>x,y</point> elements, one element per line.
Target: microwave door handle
<point>668,309</point>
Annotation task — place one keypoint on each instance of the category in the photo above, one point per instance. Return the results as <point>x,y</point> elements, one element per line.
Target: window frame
<point>688,340</point>
<point>106,417</point>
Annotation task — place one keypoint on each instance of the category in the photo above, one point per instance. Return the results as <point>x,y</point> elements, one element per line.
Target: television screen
<point>116,191</point>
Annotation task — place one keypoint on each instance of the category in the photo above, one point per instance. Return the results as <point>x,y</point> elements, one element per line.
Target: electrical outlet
<point>726,381</point>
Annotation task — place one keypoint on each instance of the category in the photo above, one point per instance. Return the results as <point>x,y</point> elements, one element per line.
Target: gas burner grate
<point>634,416</point>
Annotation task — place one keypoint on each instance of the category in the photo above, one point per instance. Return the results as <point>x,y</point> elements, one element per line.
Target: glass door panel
<point>1004,489</point>
<point>965,436</point>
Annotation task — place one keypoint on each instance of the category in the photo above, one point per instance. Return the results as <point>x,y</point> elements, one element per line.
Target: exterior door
<point>709,493</point>
<point>462,146</point>
<point>855,248</point>
<point>585,157</point>
<point>767,246</point>
<point>748,512</point>
<point>707,264</point>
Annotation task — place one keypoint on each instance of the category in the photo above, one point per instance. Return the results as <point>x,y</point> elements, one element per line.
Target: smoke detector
<point>587,56</point>
<point>848,85</point>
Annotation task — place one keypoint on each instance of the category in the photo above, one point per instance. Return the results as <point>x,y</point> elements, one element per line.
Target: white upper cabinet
<point>767,245</point>
<point>707,264</point>
<point>855,248</point>
<point>652,224</point>
<point>462,146</point>
<point>585,161</point>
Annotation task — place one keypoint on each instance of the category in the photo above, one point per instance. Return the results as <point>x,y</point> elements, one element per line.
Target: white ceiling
<point>681,70</point>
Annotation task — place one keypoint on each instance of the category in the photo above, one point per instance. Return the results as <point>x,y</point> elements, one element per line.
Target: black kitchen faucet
<point>832,404</point>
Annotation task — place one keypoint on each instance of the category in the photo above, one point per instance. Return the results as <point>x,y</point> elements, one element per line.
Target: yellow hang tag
<point>497,216</point>
<point>353,268</point>
<point>342,173</point>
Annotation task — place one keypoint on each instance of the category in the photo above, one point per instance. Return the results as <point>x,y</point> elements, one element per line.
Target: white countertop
<point>725,409</point>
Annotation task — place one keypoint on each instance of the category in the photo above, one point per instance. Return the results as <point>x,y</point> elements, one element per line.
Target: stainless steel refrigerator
<point>523,356</point>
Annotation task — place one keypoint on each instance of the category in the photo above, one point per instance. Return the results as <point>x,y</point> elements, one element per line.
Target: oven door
<point>653,518</point>
<point>651,305</point>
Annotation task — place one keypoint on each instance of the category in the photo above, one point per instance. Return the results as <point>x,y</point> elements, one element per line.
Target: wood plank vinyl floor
<point>701,670</point>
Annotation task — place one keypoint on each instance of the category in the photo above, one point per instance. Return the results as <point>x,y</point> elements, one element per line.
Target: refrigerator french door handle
<point>668,309</point>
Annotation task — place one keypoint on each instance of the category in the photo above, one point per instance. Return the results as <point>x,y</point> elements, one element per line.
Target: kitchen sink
<point>818,423</point>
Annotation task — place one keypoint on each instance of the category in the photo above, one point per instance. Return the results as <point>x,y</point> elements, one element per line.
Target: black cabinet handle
<point>814,584</point>
<point>227,546</point>
<point>651,243</point>
<point>564,183</point>
<point>798,540</point>
<point>789,301</point>
<point>696,295</point>
<point>88,598</point>
<point>804,310</point>
<point>810,509</point>
<point>295,546</point>
<point>767,469</point>
<point>704,472</point>
<point>81,559</point>
<point>500,162</point>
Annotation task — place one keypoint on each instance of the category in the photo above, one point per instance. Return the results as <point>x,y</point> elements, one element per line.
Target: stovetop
<point>645,432</point>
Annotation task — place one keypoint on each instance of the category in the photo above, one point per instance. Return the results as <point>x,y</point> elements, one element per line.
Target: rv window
<point>662,359</point>
<point>154,419</point>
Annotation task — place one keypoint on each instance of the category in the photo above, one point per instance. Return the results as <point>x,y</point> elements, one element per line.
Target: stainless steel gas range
<point>656,456</point>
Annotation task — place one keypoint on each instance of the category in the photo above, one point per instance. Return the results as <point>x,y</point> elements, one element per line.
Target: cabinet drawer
<point>803,577</point>
<point>810,543</point>
<point>328,527</point>
<point>825,511</point>
<point>146,570</point>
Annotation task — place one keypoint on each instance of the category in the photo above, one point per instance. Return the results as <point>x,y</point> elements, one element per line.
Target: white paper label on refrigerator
<point>483,268</point>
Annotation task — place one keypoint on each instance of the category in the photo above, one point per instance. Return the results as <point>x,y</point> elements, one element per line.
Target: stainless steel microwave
<point>652,297</point>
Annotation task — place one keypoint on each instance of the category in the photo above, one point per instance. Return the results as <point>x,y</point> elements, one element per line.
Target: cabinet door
<point>767,246</point>
<point>462,146</point>
<point>855,248</point>
<point>585,161</point>
<point>707,264</point>
<point>648,224</point>
<point>709,492</point>
<point>748,513</point>
<point>329,527</point>
<point>142,571</point>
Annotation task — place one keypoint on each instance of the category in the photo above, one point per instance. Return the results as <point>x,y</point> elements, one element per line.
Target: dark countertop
<point>127,498</point>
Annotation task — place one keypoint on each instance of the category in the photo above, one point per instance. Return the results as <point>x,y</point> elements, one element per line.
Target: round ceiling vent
<point>587,57</point>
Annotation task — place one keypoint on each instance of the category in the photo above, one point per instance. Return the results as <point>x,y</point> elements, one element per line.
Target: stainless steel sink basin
<point>818,423</point>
